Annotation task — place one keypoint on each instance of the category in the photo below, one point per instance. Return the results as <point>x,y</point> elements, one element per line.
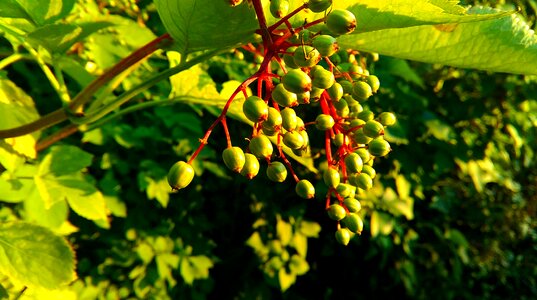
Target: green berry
<point>373,129</point>
<point>353,163</point>
<point>352,205</point>
<point>233,158</point>
<point>364,155</point>
<point>339,140</point>
<point>346,190</point>
<point>306,56</point>
<point>342,108</point>
<point>305,189</point>
<point>293,139</point>
<point>302,37</point>
<point>366,115</point>
<point>303,98</point>
<point>356,72</point>
<point>261,147</point>
<point>324,122</point>
<point>347,86</point>
<point>180,175</point>
<point>325,44</point>
<point>354,223</point>
<point>315,94</point>
<point>276,171</point>
<point>288,58</point>
<point>341,21</point>
<point>283,97</point>
<point>321,78</point>
<point>359,137</point>
<point>319,5</point>
<point>361,91</point>
<point>251,166</point>
<point>335,92</point>
<point>336,212</point>
<point>379,147</point>
<point>305,138</point>
<point>363,181</point>
<point>269,130</point>
<point>367,169</point>
<point>289,119</point>
<point>331,177</point>
<point>387,118</point>
<point>255,109</point>
<point>279,8</point>
<point>374,82</point>
<point>274,118</point>
<point>343,236</point>
<point>296,81</point>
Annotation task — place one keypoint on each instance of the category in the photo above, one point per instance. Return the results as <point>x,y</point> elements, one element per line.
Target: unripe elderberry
<point>234,158</point>
<point>180,175</point>
<point>276,171</point>
<point>341,21</point>
<point>305,189</point>
<point>296,81</point>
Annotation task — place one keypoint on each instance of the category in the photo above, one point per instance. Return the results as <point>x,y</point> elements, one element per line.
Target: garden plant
<point>256,149</point>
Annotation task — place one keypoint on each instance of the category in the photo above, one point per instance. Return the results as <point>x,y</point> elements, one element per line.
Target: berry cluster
<point>314,72</point>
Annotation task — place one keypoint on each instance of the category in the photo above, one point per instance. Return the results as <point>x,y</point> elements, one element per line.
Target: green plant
<point>91,150</point>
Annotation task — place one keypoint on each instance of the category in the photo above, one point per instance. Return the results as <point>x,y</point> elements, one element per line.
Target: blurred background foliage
<point>452,214</point>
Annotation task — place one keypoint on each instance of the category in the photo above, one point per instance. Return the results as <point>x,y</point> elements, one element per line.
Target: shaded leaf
<point>63,160</point>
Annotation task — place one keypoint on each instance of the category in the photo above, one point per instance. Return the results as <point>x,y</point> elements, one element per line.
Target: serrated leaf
<point>34,256</point>
<point>197,25</point>
<point>500,45</point>
<point>16,109</point>
<point>63,160</point>
<point>84,199</point>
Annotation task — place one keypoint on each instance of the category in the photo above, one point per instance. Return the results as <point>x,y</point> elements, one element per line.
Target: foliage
<point>452,210</point>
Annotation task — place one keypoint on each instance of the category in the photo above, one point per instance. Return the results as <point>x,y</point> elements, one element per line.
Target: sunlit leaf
<point>195,267</point>
<point>34,256</point>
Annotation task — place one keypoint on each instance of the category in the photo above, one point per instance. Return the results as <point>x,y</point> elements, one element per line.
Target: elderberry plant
<point>314,72</point>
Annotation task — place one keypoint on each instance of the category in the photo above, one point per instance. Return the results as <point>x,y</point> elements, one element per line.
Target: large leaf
<point>206,24</point>
<point>500,45</point>
<point>34,256</point>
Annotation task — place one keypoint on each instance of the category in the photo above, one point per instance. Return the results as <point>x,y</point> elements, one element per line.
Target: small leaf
<point>298,265</point>
<point>284,231</point>
<point>381,223</point>
<point>195,267</point>
<point>310,229</point>
<point>285,279</point>
<point>300,243</point>
<point>34,256</point>
<point>159,190</point>
<point>16,109</point>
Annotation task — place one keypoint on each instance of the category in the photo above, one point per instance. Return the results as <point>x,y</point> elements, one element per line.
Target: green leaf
<point>195,267</point>
<point>197,25</point>
<point>16,109</point>
<point>84,198</point>
<point>284,231</point>
<point>310,229</point>
<point>381,223</point>
<point>58,38</point>
<point>285,279</point>
<point>298,265</point>
<point>38,12</point>
<point>34,256</point>
<point>300,243</point>
<point>159,190</point>
<point>373,15</point>
<point>501,45</point>
<point>51,217</point>
<point>63,160</point>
